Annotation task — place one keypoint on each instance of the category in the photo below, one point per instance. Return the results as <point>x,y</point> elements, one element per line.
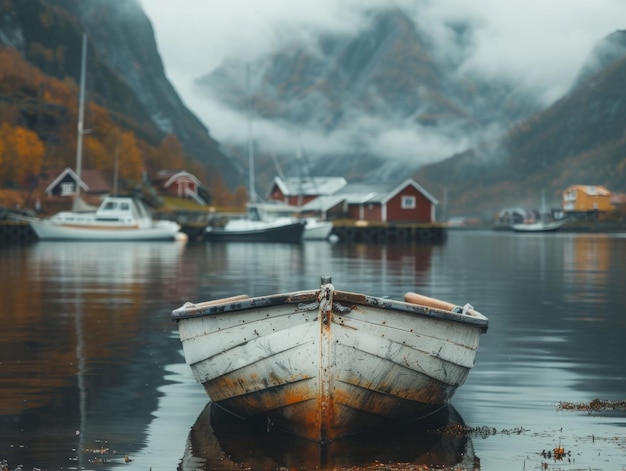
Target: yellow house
<point>584,198</point>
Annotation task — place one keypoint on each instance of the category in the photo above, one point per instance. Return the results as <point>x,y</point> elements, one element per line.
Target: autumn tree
<point>241,197</point>
<point>130,164</point>
<point>169,155</point>
<point>21,154</point>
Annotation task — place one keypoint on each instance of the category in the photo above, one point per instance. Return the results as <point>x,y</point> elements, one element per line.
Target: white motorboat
<point>117,218</point>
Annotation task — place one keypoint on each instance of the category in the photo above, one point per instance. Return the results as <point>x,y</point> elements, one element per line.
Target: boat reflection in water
<point>219,441</point>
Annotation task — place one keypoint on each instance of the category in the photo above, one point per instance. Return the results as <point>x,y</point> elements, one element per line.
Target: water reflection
<point>78,362</point>
<point>377,269</point>
<point>586,265</point>
<point>219,441</point>
<point>556,332</point>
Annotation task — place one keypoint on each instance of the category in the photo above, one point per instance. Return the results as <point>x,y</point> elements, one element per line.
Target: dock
<point>346,230</point>
<point>364,231</point>
<point>16,232</point>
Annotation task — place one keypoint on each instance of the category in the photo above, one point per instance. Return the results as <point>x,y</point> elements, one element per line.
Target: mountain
<point>606,51</point>
<point>381,104</point>
<point>125,73</point>
<point>362,94</point>
<point>580,139</point>
<point>503,147</point>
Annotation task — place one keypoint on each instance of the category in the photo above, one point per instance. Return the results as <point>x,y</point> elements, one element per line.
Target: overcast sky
<point>541,44</point>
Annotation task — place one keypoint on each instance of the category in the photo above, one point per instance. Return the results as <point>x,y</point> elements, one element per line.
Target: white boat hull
<point>324,364</point>
<point>317,230</point>
<point>116,219</point>
<point>161,230</point>
<point>538,226</point>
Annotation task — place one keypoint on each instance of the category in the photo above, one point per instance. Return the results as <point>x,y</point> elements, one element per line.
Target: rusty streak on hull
<point>324,364</point>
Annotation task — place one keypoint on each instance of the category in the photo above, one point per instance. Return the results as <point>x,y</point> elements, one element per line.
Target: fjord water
<point>92,375</point>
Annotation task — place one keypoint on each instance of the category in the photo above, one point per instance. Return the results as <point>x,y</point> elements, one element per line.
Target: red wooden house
<point>377,202</point>
<point>389,202</point>
<point>181,184</point>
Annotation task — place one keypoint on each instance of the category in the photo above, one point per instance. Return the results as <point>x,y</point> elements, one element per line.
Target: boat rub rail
<point>413,302</point>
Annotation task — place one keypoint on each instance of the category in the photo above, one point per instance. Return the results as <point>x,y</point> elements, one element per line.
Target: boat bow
<point>326,363</point>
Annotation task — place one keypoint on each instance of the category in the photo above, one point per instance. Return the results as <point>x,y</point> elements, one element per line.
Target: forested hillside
<point>132,112</point>
<point>581,139</point>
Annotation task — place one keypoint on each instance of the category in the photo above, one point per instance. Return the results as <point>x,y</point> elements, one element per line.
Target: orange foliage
<point>130,161</point>
<point>21,153</point>
<point>170,154</point>
<point>241,196</point>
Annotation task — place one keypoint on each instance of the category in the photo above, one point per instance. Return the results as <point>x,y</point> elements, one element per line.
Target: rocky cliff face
<point>125,73</point>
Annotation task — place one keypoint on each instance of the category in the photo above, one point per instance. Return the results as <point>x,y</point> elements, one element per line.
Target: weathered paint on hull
<point>324,364</point>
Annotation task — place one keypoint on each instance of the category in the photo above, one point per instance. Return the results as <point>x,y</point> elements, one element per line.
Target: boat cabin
<point>115,208</point>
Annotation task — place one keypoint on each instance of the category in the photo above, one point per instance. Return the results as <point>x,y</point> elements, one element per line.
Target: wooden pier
<point>16,232</point>
<point>363,231</point>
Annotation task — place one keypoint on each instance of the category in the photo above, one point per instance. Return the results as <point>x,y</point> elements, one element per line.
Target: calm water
<point>91,369</point>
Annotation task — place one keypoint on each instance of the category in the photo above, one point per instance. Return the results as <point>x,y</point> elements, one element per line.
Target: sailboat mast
<point>300,189</point>
<point>81,115</point>
<point>251,189</point>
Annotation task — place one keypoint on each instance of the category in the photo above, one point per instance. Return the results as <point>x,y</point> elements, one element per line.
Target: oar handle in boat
<point>422,300</point>
<point>239,297</point>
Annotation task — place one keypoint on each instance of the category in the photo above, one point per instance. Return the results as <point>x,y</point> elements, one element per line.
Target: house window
<point>67,189</point>
<point>408,202</point>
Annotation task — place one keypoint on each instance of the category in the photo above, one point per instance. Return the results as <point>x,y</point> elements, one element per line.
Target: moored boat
<point>324,364</point>
<point>256,231</point>
<point>543,223</point>
<point>538,226</point>
<point>116,219</point>
<point>255,228</point>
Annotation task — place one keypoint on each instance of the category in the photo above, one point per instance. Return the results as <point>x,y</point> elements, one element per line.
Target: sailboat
<point>544,224</point>
<point>118,218</point>
<point>256,226</point>
<point>316,228</point>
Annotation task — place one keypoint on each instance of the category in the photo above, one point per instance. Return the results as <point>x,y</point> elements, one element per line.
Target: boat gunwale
<point>243,303</point>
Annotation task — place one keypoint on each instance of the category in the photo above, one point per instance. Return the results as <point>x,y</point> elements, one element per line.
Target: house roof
<point>170,176</point>
<point>592,190</point>
<point>362,193</point>
<point>323,203</point>
<point>94,180</point>
<point>90,181</point>
<point>294,186</point>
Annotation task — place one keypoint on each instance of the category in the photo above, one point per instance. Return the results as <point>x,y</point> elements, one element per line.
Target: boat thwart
<point>324,363</point>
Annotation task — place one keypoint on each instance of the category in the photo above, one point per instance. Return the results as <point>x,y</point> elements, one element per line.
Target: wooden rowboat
<point>324,363</point>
